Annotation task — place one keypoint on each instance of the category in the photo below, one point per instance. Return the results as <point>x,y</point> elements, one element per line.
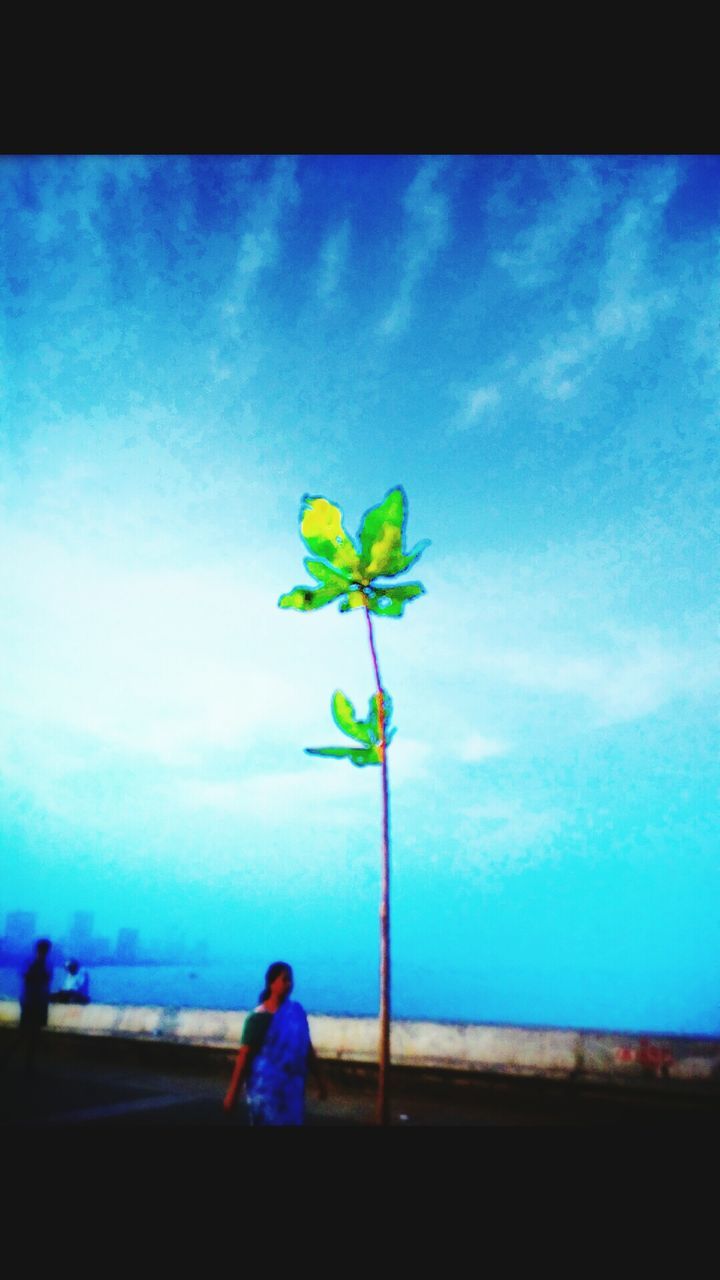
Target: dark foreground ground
<point>88,1081</point>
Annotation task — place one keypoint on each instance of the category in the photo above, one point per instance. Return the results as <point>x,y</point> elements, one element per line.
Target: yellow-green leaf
<point>356,755</point>
<point>309,598</point>
<point>322,531</point>
<point>345,718</point>
<point>389,602</point>
<point>382,536</point>
<point>323,573</point>
<point>355,600</point>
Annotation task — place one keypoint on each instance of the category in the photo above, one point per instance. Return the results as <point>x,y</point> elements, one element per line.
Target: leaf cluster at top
<point>346,570</point>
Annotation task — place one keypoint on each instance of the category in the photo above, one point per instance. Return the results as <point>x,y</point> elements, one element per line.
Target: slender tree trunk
<point>382,1111</point>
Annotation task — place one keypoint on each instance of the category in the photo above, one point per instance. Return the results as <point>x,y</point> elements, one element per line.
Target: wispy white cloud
<point>704,341</point>
<point>539,252</point>
<point>563,628</point>
<point>621,681</point>
<point>144,661</point>
<point>504,817</point>
<point>558,374</point>
<point>260,242</point>
<point>476,748</point>
<point>412,759</point>
<point>155,638</point>
<point>70,191</point>
<point>427,228</point>
<point>631,288</point>
<point>477,404</point>
<point>275,797</point>
<point>136,571</point>
<point>504,834</point>
<point>237,350</point>
<point>630,295</point>
<point>335,788</point>
<point>333,257</point>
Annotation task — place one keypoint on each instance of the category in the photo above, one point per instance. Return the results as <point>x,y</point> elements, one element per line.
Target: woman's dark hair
<point>276,968</point>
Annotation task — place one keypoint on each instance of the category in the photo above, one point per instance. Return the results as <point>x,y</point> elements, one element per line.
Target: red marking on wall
<point>652,1057</point>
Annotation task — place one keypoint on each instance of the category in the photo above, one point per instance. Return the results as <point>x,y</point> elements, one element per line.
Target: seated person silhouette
<point>76,986</point>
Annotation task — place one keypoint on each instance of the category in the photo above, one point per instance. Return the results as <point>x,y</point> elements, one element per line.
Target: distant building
<point>100,951</point>
<point>20,931</point>
<point>80,936</point>
<point>126,951</point>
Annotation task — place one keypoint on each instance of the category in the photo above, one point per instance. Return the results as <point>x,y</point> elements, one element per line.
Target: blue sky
<point>531,346</point>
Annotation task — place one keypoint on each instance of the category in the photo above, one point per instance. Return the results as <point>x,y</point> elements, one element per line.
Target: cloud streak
<point>333,257</point>
<point>427,218</point>
<point>476,748</point>
<point>561,628</point>
<point>629,298</point>
<point>539,252</point>
<point>478,405</point>
<point>260,242</point>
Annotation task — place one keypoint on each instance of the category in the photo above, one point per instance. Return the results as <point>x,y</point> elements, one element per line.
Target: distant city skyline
<point>78,940</point>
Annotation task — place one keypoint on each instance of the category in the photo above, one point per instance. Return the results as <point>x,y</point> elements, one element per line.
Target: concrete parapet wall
<point>449,1046</point>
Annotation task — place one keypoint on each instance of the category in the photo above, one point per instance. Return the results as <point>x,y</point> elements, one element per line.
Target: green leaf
<point>411,556</point>
<point>325,574</point>
<point>389,602</point>
<point>307,598</point>
<point>373,719</point>
<point>345,719</point>
<point>322,531</point>
<point>356,755</point>
<point>294,599</point>
<point>382,536</point>
<point>353,600</point>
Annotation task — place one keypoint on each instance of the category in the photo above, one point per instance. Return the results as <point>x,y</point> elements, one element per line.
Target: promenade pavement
<point>81,1081</point>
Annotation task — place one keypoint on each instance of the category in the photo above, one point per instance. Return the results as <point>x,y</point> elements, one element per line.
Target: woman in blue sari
<point>274,1055</point>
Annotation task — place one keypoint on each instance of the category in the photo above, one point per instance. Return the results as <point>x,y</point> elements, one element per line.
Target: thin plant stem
<point>382,1111</point>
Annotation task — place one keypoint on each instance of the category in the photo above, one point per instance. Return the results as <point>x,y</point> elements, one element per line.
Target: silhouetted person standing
<point>34,1000</point>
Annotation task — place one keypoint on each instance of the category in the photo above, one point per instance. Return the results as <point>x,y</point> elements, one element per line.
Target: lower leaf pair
<point>372,732</point>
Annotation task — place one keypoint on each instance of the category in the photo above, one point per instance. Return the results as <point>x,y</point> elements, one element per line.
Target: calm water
<point>341,989</point>
<point>210,987</point>
<point>425,993</point>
